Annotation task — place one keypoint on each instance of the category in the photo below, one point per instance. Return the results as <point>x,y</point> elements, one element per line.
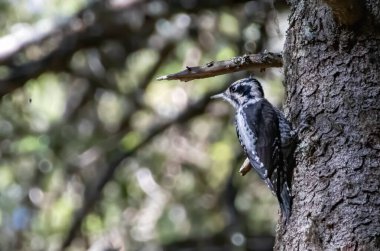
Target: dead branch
<point>241,63</point>
<point>245,167</point>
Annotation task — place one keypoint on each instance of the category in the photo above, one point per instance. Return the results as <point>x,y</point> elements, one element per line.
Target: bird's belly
<point>245,134</point>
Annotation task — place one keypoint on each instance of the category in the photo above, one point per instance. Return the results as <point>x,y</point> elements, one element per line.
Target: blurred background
<point>95,154</point>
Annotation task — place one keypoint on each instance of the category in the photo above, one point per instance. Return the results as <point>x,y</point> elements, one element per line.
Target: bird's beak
<point>220,95</point>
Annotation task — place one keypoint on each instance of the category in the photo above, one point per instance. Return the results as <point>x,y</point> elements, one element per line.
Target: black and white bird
<point>265,135</point>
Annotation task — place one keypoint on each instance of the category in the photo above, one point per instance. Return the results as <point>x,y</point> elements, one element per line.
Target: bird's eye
<point>240,89</point>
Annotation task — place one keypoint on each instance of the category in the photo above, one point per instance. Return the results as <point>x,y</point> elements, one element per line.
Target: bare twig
<point>245,168</point>
<point>347,12</point>
<point>241,63</point>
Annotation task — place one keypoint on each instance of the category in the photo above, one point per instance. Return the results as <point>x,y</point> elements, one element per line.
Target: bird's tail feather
<point>285,201</point>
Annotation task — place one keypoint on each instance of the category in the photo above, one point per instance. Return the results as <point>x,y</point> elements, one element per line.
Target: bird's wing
<point>261,123</point>
<point>259,133</point>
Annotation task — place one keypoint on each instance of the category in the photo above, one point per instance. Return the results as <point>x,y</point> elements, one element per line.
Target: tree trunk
<point>332,74</point>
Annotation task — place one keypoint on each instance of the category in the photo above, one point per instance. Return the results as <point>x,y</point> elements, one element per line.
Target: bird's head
<point>242,91</point>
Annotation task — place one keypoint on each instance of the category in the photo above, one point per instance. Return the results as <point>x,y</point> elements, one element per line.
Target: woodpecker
<point>266,137</point>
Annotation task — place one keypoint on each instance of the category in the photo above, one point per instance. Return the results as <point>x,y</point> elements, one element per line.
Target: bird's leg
<point>245,168</point>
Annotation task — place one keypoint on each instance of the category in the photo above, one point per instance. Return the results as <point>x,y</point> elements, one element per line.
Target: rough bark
<point>332,73</point>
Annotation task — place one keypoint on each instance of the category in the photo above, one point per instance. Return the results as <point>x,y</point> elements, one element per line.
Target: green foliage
<point>60,132</point>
